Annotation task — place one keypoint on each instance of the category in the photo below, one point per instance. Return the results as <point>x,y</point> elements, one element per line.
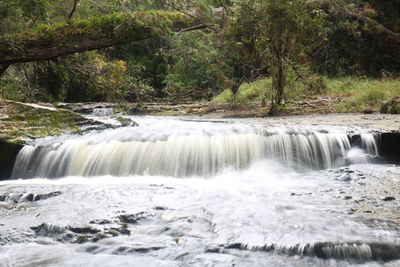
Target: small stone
<point>368,111</point>
<point>81,239</point>
<point>348,197</point>
<point>388,198</point>
<point>367,211</point>
<point>83,230</point>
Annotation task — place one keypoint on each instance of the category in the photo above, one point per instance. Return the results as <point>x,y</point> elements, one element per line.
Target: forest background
<point>272,52</point>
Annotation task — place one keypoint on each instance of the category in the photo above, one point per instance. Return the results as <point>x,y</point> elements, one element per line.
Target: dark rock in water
<point>159,208</point>
<point>368,111</point>
<point>213,249</point>
<point>133,218</point>
<point>8,154</point>
<point>17,198</point>
<point>354,251</point>
<point>122,230</point>
<point>390,146</point>
<point>388,198</point>
<point>125,121</point>
<point>81,239</point>
<point>100,236</point>
<point>83,229</point>
<point>37,197</point>
<point>105,221</point>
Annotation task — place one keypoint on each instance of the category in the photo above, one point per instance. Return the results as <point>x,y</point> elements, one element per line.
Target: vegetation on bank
<point>352,94</point>
<point>21,122</point>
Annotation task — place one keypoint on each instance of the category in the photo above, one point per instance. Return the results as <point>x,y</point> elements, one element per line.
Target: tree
<point>283,33</point>
<point>49,42</point>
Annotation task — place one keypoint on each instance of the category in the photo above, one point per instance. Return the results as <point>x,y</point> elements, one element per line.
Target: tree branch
<point>101,32</point>
<point>71,14</point>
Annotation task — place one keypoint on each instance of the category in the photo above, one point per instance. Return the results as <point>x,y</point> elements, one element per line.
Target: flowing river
<point>181,192</point>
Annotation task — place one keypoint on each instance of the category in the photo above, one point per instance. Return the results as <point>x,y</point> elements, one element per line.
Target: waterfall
<point>185,150</point>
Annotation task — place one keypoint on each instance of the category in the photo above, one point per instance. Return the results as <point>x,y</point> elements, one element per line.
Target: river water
<point>192,192</point>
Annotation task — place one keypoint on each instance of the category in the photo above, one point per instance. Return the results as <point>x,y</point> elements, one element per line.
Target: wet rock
<point>83,229</point>
<point>145,249</point>
<point>133,218</point>
<point>81,239</point>
<point>8,153</point>
<point>348,197</point>
<point>37,197</point>
<point>213,249</point>
<point>351,211</point>
<point>354,251</point>
<point>121,230</point>
<point>100,221</point>
<point>136,249</point>
<point>125,121</point>
<point>100,236</point>
<point>368,111</point>
<point>388,198</point>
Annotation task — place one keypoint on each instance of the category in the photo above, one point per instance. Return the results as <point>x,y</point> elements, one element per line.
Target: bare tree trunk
<point>278,82</point>
<point>71,14</point>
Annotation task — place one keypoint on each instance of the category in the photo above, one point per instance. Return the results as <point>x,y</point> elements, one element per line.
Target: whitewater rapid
<point>179,192</point>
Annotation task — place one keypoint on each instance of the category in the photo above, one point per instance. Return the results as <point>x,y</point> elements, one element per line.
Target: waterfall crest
<point>188,151</point>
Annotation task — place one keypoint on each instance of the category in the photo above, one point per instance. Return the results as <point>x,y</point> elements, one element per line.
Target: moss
<point>117,28</point>
<point>25,122</point>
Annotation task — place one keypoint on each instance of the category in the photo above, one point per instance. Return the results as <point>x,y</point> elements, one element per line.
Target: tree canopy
<point>60,50</point>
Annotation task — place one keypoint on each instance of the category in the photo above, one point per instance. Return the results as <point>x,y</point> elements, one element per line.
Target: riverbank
<point>321,114</point>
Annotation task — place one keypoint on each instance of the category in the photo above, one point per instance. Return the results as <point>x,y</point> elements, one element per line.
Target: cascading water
<point>185,149</point>
<point>175,192</point>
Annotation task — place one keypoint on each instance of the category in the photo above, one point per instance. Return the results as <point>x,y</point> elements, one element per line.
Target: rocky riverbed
<point>263,211</point>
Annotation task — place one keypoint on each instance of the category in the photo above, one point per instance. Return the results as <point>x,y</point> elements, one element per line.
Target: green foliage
<point>251,40</point>
<point>362,39</point>
<point>248,92</point>
<point>357,93</point>
<point>136,85</point>
<point>38,9</point>
<point>362,93</point>
<point>195,68</point>
<point>280,33</point>
<point>84,77</point>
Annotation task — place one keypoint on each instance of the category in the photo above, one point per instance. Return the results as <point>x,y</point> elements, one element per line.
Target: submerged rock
<point>29,197</point>
<point>83,229</point>
<point>133,218</point>
<point>388,198</point>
